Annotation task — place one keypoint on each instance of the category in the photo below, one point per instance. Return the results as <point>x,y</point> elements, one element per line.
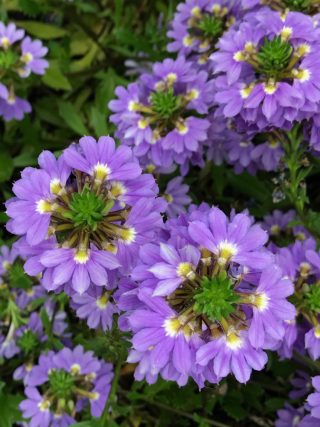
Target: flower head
<point>162,115</point>
<point>66,379</point>
<point>274,60</point>
<point>97,214</point>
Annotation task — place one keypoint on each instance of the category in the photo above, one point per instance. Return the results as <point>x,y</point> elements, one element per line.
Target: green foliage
<point>9,403</point>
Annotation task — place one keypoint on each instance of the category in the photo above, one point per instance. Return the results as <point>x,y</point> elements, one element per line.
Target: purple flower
<point>268,154</point>
<point>269,93</point>
<point>23,372</point>
<point>271,307</point>
<point>36,407</point>
<point>235,241</point>
<point>176,194</point>
<point>79,267</point>
<point>160,338</point>
<point>32,52</point>
<point>96,306</point>
<point>7,258</point>
<point>302,385</point>
<point>312,342</point>
<point>197,26</point>
<point>9,34</point>
<point>277,221</point>
<point>196,289</point>
<point>14,107</point>
<point>314,398</point>
<point>163,115</point>
<point>292,417</point>
<point>232,354</point>
<point>99,214</point>
<point>69,380</point>
<point>174,268</point>
<point>8,346</point>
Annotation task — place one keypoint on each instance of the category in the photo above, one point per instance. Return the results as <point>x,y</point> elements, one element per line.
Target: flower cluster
<point>268,68</point>
<point>198,25</point>
<point>162,115</point>
<point>84,215</point>
<point>62,384</point>
<point>209,300</point>
<point>20,56</point>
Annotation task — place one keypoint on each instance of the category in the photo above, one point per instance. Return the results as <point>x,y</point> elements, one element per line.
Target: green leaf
<point>233,405</point>
<point>6,166</point>
<point>98,121</point>
<point>275,403</point>
<point>45,321</point>
<point>55,79</point>
<point>72,118</point>
<point>43,31</point>
<point>9,410</point>
<point>32,7</point>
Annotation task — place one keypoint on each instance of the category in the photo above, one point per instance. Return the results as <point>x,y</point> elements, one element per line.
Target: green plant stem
<point>112,396</point>
<point>296,192</point>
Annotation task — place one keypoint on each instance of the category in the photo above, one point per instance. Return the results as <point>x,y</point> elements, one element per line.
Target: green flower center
<point>28,341</point>
<point>165,103</point>
<point>86,209</point>
<point>312,298</point>
<point>274,56</point>
<point>210,26</point>
<point>216,297</point>
<point>61,384</point>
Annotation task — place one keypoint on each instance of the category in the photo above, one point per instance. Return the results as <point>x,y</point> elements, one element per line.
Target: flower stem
<point>294,187</point>
<point>112,396</point>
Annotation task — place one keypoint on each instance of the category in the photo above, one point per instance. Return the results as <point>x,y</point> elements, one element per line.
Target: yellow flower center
<point>102,302</point>
<point>233,341</point>
<point>44,405</point>
<point>101,172</point>
<point>128,235</point>
<point>43,206</point>
<point>5,42</point>
<point>317,331</point>
<point>75,369</point>
<point>27,57</point>
<point>81,256</point>
<point>185,270</point>
<point>226,251</point>
<point>182,128</point>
